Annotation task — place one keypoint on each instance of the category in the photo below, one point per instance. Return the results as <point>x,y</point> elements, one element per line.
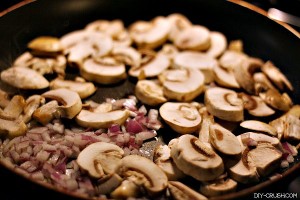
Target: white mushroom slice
<point>24,78</point>
<point>178,23</point>
<point>143,172</point>
<point>46,113</point>
<point>232,59</point>
<point>236,45</point>
<point>262,82</point>
<point>259,126</point>
<point>70,100</point>
<point>287,126</point>
<point>152,68</point>
<point>84,89</point>
<point>149,92</point>
<point>276,76</point>
<point>45,46</point>
<point>4,99</point>
<point>111,28</point>
<point>181,117</point>
<point>225,77</point>
<point>169,50</point>
<point>32,103</point>
<point>224,104</point>
<point>218,44</point>
<point>14,108</point>
<point>197,60</point>
<point>265,157</point>
<point>224,141</point>
<point>182,84</point>
<point>193,38</point>
<point>196,159</point>
<point>100,158</point>
<point>104,71</point>
<point>126,190</point>
<point>207,121</point>
<point>128,55</point>
<point>162,158</point>
<point>123,39</point>
<point>101,120</point>
<point>252,139</point>
<point>276,100</point>
<point>109,183</point>
<point>179,191</point>
<point>12,128</point>
<point>218,187</point>
<point>150,34</point>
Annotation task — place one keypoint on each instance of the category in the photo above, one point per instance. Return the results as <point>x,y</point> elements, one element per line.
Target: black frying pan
<point>262,38</point>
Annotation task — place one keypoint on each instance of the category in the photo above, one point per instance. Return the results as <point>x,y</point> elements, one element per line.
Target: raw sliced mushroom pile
<point>228,114</point>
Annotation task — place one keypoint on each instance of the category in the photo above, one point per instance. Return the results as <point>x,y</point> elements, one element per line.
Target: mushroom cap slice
<point>149,92</point>
<point>178,23</point>
<point>153,68</point>
<point>46,113</point>
<point>109,183</point>
<point>101,120</point>
<point>207,121</point>
<point>181,117</point>
<point>218,187</point>
<point>224,141</point>
<point>12,128</point>
<point>70,100</point>
<point>24,78</point>
<point>14,108</point>
<point>224,104</point>
<point>182,84</point>
<point>247,138</point>
<point>232,59</point>
<point>156,181</point>
<point>262,82</point>
<point>193,38</point>
<point>276,100</point>
<point>196,159</point>
<point>112,28</point>
<point>150,34</point>
<point>179,191</point>
<point>45,46</point>
<point>104,71</point>
<point>4,99</point>
<point>218,44</point>
<point>32,104</point>
<point>84,89</point>
<point>127,55</point>
<point>225,77</point>
<point>196,60</point>
<point>259,126</point>
<point>93,158</point>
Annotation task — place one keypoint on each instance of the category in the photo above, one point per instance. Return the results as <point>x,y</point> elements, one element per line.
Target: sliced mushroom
<point>101,120</point>
<point>150,34</point>
<point>32,104</point>
<point>259,126</point>
<point>196,159</point>
<point>109,183</point>
<point>276,76</point>
<point>169,50</point>
<point>224,104</point>
<point>207,121</point>
<point>144,173</point>
<point>179,191</point>
<point>45,46</point>
<point>12,128</point>
<point>251,139</point>
<point>218,187</point>
<point>24,78</point>
<point>152,68</point>
<point>162,158</point>
<point>181,117</point>
<point>193,38</point>
<point>112,28</point>
<point>4,99</point>
<point>70,100</point>
<point>224,141</point>
<point>287,126</point>
<point>232,59</point>
<point>127,55</point>
<point>100,158</point>
<point>123,39</point>
<point>104,70</point>
<point>126,189</point>
<point>182,84</point>
<point>14,108</point>
<point>262,82</point>
<point>46,113</point>
<point>236,45</point>
<point>218,44</point>
<point>225,77</point>
<point>178,23</point>
<point>276,100</point>
<point>84,89</point>
<point>197,60</point>
<point>149,92</point>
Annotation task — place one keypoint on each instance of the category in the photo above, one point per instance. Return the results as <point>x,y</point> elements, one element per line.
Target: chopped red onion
<point>132,126</point>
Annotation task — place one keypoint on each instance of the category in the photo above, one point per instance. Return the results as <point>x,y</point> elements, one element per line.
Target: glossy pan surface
<point>262,38</point>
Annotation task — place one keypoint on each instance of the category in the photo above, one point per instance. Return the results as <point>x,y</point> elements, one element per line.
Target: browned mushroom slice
<point>276,76</point>
<point>182,84</point>
<point>45,46</point>
<point>252,139</point>
<point>224,104</point>
<point>196,60</point>
<point>193,38</point>
<point>104,70</point>
<point>108,183</point>
<point>276,100</point>
<point>218,187</point>
<point>196,159</point>
<point>178,23</point>
<point>14,108</point>
<point>182,117</point>
<point>32,104</point>
<point>262,82</point>
<point>112,28</point>
<point>259,126</point>
<point>4,99</point>
<point>46,113</point>
<point>24,78</point>
<point>218,44</point>
<point>179,191</point>
<point>12,128</point>
<point>236,45</point>
<point>207,121</point>
<point>287,126</point>
<point>225,77</point>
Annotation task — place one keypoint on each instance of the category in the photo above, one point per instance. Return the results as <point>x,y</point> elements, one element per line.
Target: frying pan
<point>262,38</point>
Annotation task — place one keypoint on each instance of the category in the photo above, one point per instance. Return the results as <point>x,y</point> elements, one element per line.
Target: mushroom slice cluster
<point>45,46</point>
<point>224,104</point>
<point>196,159</point>
<point>182,117</point>
<point>182,84</point>
<point>197,60</point>
<point>100,158</point>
